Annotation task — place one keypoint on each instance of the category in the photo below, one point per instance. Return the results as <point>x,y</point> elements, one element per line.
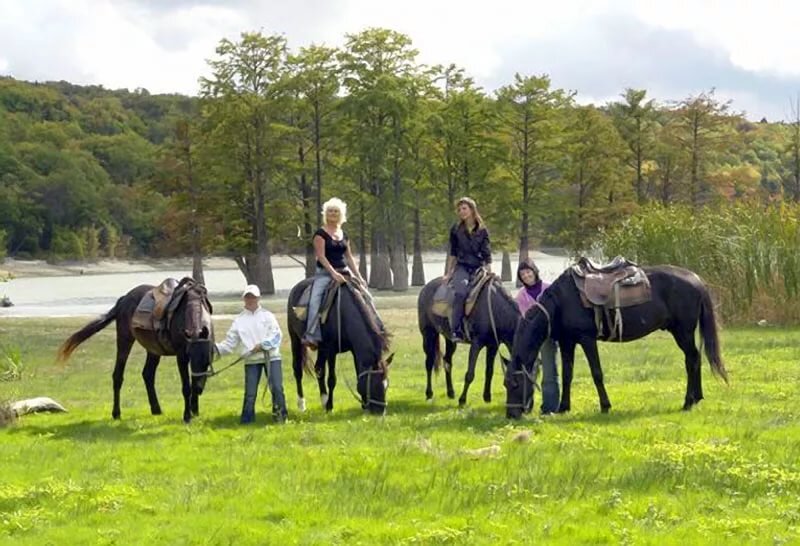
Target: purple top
<point>529,294</point>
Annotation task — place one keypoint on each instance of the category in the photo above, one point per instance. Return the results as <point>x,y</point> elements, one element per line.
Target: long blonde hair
<point>470,202</point>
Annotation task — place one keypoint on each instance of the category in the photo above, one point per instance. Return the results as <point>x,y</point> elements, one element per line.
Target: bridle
<point>527,397</point>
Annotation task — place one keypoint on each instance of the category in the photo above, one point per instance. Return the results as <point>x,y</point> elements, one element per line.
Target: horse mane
<point>382,337</point>
<point>503,292</point>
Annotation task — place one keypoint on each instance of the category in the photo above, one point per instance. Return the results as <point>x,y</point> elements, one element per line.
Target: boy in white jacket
<point>258,336</point>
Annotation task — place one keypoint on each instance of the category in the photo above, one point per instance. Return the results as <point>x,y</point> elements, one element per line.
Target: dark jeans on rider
<point>252,377</point>
<point>460,283</point>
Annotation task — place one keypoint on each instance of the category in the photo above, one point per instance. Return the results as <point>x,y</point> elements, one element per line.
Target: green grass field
<point>647,473</point>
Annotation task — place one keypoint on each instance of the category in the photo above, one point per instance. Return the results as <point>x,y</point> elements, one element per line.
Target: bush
<point>746,253</point>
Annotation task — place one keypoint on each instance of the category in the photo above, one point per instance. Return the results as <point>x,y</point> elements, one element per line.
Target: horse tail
<point>710,334</point>
<point>86,332</point>
<point>305,361</point>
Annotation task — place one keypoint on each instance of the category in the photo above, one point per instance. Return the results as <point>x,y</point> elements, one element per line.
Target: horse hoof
<point>301,404</point>
<point>487,398</point>
<point>462,403</point>
<point>323,399</point>
<point>429,399</point>
<point>451,395</point>
<point>605,410</point>
<point>156,411</point>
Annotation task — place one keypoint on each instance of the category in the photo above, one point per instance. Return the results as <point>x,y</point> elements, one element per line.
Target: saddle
<point>151,311</point>
<point>360,291</point>
<point>613,286</point>
<point>443,298</point>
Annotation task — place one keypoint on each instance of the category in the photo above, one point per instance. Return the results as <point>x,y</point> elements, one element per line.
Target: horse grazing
<point>679,301</point>
<point>190,338</point>
<point>348,328</point>
<point>492,322</point>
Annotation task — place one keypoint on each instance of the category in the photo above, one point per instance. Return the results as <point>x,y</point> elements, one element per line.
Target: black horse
<point>191,339</point>
<point>491,323</point>
<point>680,300</point>
<point>348,328</point>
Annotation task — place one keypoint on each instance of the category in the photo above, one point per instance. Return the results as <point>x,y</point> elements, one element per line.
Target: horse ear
<point>389,360</point>
<point>506,361</point>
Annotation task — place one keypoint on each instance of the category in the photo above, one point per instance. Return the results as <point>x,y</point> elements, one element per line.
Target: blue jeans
<point>550,391</point>
<point>252,377</point>
<point>321,281</point>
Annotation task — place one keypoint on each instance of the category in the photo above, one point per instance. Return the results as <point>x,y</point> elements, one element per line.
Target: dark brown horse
<point>348,328</point>
<point>491,323</point>
<point>190,339</point>
<point>680,302</point>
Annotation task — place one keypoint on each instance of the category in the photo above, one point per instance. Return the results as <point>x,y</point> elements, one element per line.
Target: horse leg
<point>449,349</point>
<point>149,377</point>
<point>319,368</point>
<point>124,345</point>
<point>474,350</point>
<point>331,381</point>
<point>430,342</point>
<point>590,350</point>
<point>694,388</point>
<point>567,365</point>
<point>298,353</point>
<point>491,353</point>
<point>186,387</point>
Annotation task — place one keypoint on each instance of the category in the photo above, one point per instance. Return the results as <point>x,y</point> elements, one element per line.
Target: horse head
<point>197,331</point>
<point>373,384</point>
<point>520,381</point>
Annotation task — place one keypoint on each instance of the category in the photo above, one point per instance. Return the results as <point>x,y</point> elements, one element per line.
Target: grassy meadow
<point>647,473</point>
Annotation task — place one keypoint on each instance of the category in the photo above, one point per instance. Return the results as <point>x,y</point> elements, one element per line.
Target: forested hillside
<point>242,168</point>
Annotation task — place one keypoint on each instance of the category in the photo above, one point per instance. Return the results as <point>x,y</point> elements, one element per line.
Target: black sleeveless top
<point>334,250</point>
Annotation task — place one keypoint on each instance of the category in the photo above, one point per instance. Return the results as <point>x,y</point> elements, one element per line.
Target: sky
<point>746,50</point>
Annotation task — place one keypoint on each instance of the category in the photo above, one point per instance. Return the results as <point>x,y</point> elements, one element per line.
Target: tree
<point>791,179</point>
<point>531,118</point>
<point>595,156</point>
<point>635,120</point>
<point>703,125</point>
<point>244,100</point>
<point>382,83</point>
<point>315,85</point>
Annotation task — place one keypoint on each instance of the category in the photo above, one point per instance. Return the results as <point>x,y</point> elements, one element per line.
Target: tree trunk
<point>380,276</point>
<point>197,265</point>
<point>505,270</point>
<point>362,238</point>
<point>308,215</point>
<point>417,267</point>
<point>397,220</point>
<point>262,272</point>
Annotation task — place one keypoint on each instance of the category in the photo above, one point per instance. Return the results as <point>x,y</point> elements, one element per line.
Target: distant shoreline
<point>12,268</point>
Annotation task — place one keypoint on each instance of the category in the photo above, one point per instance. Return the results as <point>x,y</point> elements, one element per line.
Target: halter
<point>527,398</point>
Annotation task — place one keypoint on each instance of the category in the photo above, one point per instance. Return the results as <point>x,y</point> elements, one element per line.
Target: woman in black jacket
<point>469,251</point>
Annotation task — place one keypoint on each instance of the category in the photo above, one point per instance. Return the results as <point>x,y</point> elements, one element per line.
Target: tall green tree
<point>704,131</point>
<point>244,101</point>
<point>596,153</point>
<point>315,85</point>
<point>531,117</point>
<point>635,119</point>
<point>381,78</point>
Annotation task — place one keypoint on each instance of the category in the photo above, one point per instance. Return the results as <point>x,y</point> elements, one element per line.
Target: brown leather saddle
<point>443,297</point>
<point>610,287</point>
<point>361,292</point>
<point>151,315</point>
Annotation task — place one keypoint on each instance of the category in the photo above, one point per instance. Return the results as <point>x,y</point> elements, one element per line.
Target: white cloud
<point>597,48</point>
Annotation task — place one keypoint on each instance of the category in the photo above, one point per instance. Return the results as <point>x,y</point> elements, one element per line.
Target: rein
<point>368,373</point>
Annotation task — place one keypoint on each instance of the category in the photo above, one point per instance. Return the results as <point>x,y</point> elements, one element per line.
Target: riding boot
<point>457,326</point>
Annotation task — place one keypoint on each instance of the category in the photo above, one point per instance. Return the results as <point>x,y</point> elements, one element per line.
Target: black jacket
<point>471,249</point>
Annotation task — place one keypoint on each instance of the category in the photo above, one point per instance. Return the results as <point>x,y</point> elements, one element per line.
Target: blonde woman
<point>334,261</point>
